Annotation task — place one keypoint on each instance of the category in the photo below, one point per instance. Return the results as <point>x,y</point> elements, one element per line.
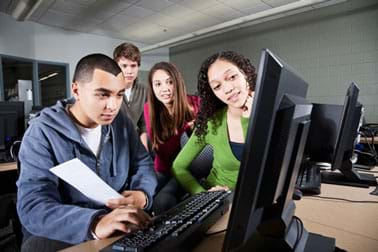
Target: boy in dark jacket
<point>88,127</point>
<point>128,57</point>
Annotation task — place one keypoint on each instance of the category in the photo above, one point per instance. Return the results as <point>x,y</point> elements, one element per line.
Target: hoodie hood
<point>56,117</point>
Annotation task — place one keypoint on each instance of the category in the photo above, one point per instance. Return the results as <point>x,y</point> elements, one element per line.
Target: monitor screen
<point>12,123</point>
<point>347,133</point>
<point>262,209</point>
<point>321,140</point>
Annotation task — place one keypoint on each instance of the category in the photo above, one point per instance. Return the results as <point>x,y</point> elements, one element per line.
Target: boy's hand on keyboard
<point>218,188</point>
<point>126,219</point>
<point>131,198</point>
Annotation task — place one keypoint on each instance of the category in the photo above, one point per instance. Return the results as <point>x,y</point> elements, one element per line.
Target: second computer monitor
<point>325,123</point>
<point>347,133</point>
<point>12,123</point>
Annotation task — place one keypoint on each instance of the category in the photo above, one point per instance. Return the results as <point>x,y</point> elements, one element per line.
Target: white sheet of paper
<point>80,176</point>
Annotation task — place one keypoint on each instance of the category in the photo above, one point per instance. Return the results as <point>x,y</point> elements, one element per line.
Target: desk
<point>365,140</point>
<point>354,225</point>
<point>8,166</point>
<point>8,178</point>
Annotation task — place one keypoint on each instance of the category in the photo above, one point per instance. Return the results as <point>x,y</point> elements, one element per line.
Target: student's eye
<point>170,82</point>
<point>157,84</point>
<point>121,94</point>
<point>232,77</point>
<point>102,95</point>
<point>217,87</point>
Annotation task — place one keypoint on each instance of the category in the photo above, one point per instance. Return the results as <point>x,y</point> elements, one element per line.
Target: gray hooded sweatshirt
<point>51,208</point>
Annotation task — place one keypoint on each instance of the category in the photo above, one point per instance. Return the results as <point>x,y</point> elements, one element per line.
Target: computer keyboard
<point>309,178</point>
<point>180,228</point>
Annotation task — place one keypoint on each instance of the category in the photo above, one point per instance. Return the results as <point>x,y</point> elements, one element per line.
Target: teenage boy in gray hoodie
<point>53,213</point>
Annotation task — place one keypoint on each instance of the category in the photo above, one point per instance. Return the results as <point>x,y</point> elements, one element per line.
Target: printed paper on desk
<point>80,176</point>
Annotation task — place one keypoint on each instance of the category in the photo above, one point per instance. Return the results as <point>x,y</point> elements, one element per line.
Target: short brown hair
<point>127,50</point>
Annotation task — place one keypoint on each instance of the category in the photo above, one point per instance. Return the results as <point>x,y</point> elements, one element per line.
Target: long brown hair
<point>164,125</point>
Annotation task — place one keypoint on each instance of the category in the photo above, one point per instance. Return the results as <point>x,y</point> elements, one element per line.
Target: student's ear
<point>75,90</point>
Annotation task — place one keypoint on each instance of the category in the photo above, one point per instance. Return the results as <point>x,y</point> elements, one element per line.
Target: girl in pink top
<point>168,113</point>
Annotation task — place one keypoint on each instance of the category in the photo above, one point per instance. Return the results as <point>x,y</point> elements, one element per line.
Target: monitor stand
<point>308,242</point>
<point>317,242</point>
<point>348,176</point>
<point>287,234</point>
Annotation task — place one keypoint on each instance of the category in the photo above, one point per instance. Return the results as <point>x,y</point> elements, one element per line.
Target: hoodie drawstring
<point>110,133</point>
<point>77,152</point>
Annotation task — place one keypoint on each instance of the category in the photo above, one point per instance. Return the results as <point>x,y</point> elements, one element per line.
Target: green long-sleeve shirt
<point>225,168</point>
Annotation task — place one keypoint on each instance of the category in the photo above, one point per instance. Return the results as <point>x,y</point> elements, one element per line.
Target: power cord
<point>300,228</point>
<point>217,232</point>
<point>370,131</point>
<point>365,170</point>
<point>347,200</point>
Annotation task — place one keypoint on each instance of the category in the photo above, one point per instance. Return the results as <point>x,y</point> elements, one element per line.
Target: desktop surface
<point>353,224</point>
<point>11,166</point>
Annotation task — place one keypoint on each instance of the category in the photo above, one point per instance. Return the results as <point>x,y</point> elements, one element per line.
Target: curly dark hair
<point>210,104</point>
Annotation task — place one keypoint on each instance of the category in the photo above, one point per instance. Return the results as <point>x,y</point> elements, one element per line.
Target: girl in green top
<point>226,83</point>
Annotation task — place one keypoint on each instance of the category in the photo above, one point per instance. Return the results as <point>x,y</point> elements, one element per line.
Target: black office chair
<point>202,164</point>
<point>14,149</point>
<point>10,226</point>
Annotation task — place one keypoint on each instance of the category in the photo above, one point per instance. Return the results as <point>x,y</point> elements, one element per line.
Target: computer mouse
<point>297,194</point>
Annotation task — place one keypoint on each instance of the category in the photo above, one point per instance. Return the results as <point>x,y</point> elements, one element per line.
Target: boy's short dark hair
<point>127,50</point>
<point>86,66</point>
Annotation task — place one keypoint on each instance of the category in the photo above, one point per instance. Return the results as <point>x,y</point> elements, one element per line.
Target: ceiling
<point>144,21</point>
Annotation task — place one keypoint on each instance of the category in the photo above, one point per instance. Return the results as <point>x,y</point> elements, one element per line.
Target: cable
<point>300,228</point>
<point>348,200</point>
<point>11,149</point>
<point>370,130</point>
<point>217,232</point>
<point>365,170</point>
<point>364,152</point>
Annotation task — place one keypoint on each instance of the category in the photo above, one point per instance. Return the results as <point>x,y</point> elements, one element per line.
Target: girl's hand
<point>219,188</point>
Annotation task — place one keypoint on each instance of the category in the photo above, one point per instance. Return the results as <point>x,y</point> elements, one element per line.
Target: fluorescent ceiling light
<point>48,76</point>
<point>23,9</point>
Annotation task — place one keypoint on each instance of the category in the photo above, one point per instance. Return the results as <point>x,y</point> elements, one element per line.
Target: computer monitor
<point>262,214</point>
<point>12,123</point>
<point>321,140</point>
<point>347,133</point>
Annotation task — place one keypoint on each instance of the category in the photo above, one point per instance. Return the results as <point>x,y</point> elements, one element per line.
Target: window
<point>36,83</point>
<point>52,79</point>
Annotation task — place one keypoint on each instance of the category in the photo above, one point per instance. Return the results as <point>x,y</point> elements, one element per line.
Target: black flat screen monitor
<point>347,133</point>
<point>12,123</point>
<point>262,214</point>
<point>321,140</point>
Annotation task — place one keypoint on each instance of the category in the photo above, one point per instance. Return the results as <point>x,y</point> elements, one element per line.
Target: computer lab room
<point>187,125</point>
